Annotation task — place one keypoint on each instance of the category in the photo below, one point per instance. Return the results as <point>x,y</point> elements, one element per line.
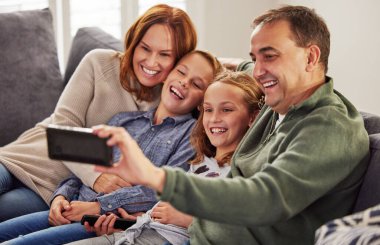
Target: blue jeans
<point>35,229</point>
<point>15,198</point>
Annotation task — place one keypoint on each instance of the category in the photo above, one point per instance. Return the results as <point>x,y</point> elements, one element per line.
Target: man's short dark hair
<point>307,27</point>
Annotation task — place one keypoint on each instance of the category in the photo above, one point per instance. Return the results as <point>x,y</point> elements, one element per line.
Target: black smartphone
<point>78,145</point>
<point>120,223</point>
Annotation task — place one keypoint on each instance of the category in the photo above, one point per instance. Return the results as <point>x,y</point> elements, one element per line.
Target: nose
<point>151,60</point>
<point>258,70</point>
<point>184,83</point>
<point>215,116</point>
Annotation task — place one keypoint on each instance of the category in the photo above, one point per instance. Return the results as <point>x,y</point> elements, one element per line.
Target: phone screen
<point>78,145</point>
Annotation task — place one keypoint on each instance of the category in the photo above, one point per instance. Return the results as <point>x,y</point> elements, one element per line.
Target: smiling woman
<point>103,75</point>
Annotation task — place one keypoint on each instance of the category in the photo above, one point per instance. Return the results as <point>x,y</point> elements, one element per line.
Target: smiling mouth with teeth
<point>218,130</point>
<point>270,84</point>
<point>150,72</point>
<point>176,92</point>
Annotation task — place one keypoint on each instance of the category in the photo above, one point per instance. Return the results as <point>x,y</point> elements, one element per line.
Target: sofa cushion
<point>369,194</point>
<point>371,122</point>
<point>30,79</point>
<point>85,40</point>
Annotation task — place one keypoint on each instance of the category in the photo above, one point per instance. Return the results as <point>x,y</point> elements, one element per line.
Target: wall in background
<point>224,29</point>
<point>355,39</point>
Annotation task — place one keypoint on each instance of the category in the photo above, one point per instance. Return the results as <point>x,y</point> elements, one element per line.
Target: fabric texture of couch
<point>369,194</point>
<point>30,77</point>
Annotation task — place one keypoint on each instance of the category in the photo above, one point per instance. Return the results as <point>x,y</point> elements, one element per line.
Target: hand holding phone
<point>120,223</point>
<point>78,145</point>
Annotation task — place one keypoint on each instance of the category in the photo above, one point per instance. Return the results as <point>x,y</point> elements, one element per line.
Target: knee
<point>6,179</point>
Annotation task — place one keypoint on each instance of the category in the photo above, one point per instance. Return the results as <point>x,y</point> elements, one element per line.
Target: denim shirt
<point>165,144</point>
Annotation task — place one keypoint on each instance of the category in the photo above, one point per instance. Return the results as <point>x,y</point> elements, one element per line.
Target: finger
<point>57,218</point>
<point>88,227</point>
<point>66,205</point>
<point>126,215</point>
<point>122,183</point>
<point>109,170</point>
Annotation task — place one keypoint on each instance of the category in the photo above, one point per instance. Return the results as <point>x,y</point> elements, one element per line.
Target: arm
<point>77,103</point>
<point>230,63</point>
<point>73,105</point>
<point>140,198</point>
<point>266,192</point>
<point>315,149</point>
<point>165,213</point>
<point>69,188</point>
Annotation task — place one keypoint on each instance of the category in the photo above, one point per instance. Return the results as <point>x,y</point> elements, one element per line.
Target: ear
<point>252,118</point>
<point>314,54</point>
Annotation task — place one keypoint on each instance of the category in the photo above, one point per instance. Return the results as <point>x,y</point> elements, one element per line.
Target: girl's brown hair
<point>185,40</point>
<point>252,97</point>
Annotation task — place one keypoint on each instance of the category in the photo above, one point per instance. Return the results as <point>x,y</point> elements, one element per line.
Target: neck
<point>220,153</point>
<point>304,95</point>
<point>160,114</point>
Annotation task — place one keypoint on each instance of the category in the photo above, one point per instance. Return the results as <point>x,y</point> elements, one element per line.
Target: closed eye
<point>227,110</point>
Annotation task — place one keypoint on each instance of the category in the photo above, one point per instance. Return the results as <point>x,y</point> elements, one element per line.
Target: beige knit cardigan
<point>92,96</point>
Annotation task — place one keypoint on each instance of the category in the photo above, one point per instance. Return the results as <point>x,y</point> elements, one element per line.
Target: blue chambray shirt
<point>165,144</point>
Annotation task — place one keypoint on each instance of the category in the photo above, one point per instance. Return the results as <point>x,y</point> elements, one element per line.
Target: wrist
<point>157,179</point>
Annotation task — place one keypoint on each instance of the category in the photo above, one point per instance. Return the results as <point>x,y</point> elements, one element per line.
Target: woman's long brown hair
<point>185,40</point>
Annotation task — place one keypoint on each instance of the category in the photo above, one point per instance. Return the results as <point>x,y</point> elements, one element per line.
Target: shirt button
<point>109,206</point>
<point>152,129</point>
<point>169,142</point>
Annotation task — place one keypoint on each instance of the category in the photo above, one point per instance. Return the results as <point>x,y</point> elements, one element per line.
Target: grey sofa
<point>31,82</point>
<point>30,76</point>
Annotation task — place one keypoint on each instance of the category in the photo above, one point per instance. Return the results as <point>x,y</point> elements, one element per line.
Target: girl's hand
<point>59,205</point>
<point>78,209</point>
<point>165,213</point>
<point>133,166</point>
<point>104,225</point>
<point>126,215</point>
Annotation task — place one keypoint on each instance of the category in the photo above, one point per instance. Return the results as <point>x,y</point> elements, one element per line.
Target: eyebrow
<point>263,50</point>
<point>223,103</point>
<point>165,50</point>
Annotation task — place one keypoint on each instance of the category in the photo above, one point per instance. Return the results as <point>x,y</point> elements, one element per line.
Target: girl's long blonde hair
<point>252,96</point>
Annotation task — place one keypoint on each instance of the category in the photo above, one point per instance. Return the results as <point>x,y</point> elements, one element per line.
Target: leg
<point>23,225</point>
<point>100,240</point>
<point>55,235</point>
<point>6,179</point>
<point>15,198</point>
<point>149,236</point>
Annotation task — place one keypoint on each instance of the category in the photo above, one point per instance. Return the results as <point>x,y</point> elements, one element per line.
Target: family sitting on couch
<point>292,161</point>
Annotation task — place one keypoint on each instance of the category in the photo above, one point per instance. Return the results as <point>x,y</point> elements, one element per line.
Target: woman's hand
<point>79,208</point>
<point>165,213</point>
<point>133,166</point>
<point>108,183</point>
<point>58,205</point>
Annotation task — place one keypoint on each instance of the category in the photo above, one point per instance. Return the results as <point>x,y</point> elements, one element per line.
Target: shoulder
<point>121,117</point>
<point>102,56</point>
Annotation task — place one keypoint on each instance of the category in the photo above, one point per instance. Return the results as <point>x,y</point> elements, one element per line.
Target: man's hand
<point>108,183</point>
<point>165,213</point>
<point>230,63</point>
<point>58,206</point>
<point>133,166</point>
<point>78,209</point>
